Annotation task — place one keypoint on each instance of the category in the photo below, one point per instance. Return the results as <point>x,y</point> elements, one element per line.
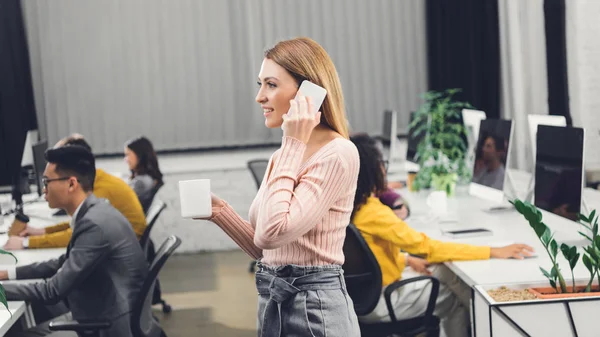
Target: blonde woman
<point>299,216</point>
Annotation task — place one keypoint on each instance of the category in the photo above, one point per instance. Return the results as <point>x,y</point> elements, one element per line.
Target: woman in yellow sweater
<point>106,186</point>
<point>387,234</point>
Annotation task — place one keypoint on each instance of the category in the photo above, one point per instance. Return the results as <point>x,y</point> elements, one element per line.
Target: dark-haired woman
<point>145,178</point>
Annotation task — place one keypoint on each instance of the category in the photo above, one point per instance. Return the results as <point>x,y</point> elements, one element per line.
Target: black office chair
<point>363,280</point>
<point>257,168</point>
<point>148,247</point>
<point>147,199</point>
<point>153,213</point>
<point>141,306</point>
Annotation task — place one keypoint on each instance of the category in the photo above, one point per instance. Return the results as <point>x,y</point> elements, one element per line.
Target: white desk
<point>6,320</point>
<point>40,216</point>
<point>507,226</point>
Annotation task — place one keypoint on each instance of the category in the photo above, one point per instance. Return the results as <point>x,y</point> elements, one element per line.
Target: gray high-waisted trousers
<point>304,301</point>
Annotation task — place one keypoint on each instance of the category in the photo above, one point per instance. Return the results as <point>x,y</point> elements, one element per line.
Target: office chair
<point>141,306</point>
<point>363,281</point>
<point>151,217</point>
<point>148,247</point>
<point>258,168</point>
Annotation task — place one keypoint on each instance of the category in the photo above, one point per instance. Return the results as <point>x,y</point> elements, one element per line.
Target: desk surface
<point>507,226</point>
<point>6,320</point>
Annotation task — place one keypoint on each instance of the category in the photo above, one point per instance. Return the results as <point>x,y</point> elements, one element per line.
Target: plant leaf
<point>554,248</point>
<point>585,236</point>
<point>3,299</point>
<point>592,216</point>
<point>545,273</point>
<point>554,272</point>
<point>565,250</point>
<point>582,217</point>
<point>573,261</point>
<point>546,236</point>
<point>552,284</point>
<point>588,263</point>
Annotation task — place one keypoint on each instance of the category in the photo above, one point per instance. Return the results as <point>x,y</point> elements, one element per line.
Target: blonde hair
<point>305,59</point>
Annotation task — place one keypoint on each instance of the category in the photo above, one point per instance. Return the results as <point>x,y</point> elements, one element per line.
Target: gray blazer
<point>100,275</point>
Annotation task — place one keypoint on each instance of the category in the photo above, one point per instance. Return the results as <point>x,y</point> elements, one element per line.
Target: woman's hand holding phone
<point>301,119</point>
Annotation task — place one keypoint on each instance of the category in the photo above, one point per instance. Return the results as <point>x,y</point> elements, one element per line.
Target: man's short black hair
<point>74,160</point>
<point>72,140</point>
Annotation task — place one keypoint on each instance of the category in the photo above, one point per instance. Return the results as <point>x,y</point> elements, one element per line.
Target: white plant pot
<point>576,316</point>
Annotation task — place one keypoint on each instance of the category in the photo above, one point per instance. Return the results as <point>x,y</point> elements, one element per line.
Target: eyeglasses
<point>46,181</point>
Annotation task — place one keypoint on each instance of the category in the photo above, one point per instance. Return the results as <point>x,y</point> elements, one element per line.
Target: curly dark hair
<point>371,177</point>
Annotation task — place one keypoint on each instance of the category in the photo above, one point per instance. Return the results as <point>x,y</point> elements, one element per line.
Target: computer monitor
<point>559,170</point>
<point>491,159</point>
<point>535,120</point>
<point>413,140</point>
<point>39,163</point>
<point>471,120</point>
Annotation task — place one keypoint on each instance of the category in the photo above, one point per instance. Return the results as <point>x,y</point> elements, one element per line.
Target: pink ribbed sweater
<point>301,211</point>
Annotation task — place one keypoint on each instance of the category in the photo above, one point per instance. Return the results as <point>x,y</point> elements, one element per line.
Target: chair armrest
<point>435,288</point>
<point>79,326</point>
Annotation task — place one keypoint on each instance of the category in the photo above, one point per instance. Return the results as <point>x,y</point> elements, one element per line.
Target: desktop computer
<point>559,170</point>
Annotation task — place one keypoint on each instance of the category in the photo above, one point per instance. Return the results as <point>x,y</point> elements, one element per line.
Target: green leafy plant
<point>591,257</point>
<point>534,217</point>
<point>2,292</point>
<point>442,150</point>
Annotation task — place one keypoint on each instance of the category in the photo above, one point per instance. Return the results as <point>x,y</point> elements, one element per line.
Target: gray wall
<point>183,72</point>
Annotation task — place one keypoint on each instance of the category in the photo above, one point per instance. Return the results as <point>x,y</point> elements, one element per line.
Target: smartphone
<point>317,93</point>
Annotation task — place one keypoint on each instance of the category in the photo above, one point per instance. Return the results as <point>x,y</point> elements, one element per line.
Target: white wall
<point>583,55</point>
<point>183,72</point>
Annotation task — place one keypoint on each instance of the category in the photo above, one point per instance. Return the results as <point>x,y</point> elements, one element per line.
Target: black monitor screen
<point>559,170</point>
<point>491,153</point>
<point>413,141</point>
<point>39,162</point>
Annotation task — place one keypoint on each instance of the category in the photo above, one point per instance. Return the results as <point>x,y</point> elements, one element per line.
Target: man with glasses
<point>103,270</point>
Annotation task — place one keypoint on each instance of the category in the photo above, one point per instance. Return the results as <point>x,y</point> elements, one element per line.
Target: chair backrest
<point>153,213</point>
<point>141,316</point>
<point>361,272</point>
<point>258,167</point>
<point>147,198</point>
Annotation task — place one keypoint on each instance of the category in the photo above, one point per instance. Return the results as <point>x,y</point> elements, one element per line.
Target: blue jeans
<point>304,301</point>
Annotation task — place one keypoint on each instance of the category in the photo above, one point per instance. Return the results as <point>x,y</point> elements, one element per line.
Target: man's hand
<point>14,243</point>
<point>3,275</point>
<point>32,231</point>
<point>419,265</point>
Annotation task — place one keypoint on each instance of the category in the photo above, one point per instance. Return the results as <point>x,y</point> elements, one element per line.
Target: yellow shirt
<point>106,186</point>
<point>386,235</point>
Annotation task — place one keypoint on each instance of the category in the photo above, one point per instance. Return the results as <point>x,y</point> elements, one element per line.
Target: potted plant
<point>591,258</point>
<point>441,153</point>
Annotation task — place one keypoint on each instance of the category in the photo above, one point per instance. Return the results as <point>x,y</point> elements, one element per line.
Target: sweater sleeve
<point>389,227</point>
<point>238,229</point>
<point>291,207</point>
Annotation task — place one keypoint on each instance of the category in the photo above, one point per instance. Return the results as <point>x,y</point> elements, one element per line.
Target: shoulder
<point>373,211</point>
<point>102,214</point>
<point>340,152</point>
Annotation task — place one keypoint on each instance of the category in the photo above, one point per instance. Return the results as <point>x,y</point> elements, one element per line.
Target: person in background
<point>491,173</point>
<point>387,236</point>
<point>299,217</point>
<point>106,186</point>
<point>145,178</point>
<point>103,270</point>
